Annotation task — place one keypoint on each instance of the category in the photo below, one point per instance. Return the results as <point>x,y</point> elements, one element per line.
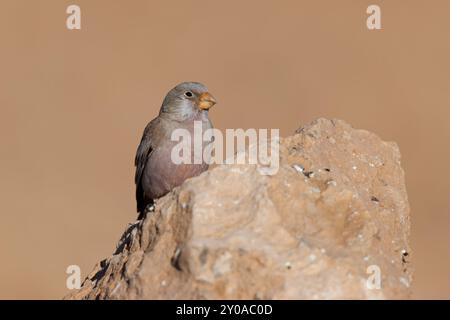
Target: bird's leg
<point>150,207</point>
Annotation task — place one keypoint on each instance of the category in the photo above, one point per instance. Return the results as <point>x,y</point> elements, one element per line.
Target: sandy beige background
<point>73,105</point>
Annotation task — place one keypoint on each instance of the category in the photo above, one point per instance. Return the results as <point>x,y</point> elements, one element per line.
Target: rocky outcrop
<point>333,219</point>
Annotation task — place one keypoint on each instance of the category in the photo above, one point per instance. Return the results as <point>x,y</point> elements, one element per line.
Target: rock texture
<point>337,206</point>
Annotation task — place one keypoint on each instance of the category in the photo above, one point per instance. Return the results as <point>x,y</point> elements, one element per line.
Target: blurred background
<point>73,104</point>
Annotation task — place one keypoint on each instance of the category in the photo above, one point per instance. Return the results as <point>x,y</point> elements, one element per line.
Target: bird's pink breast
<point>161,174</point>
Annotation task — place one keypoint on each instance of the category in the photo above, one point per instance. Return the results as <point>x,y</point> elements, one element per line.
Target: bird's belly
<point>161,174</point>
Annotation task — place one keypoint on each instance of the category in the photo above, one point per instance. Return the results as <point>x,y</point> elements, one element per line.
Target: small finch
<point>156,173</point>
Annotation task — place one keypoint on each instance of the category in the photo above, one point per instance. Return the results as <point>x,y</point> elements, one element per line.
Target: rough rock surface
<point>337,205</point>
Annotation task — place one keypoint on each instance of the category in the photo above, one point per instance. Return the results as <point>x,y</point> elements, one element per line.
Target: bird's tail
<point>143,210</point>
<point>141,215</point>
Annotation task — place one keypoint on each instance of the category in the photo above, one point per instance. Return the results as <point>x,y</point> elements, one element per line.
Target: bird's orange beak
<point>206,101</point>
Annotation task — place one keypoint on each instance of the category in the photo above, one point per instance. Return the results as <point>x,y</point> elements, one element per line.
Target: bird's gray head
<point>186,100</point>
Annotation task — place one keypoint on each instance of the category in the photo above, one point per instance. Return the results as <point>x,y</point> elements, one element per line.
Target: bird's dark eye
<point>188,94</point>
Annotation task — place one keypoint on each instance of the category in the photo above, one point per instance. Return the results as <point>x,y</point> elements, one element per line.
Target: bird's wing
<point>144,150</point>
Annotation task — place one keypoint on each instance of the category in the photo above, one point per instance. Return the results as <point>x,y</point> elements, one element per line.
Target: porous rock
<point>331,222</point>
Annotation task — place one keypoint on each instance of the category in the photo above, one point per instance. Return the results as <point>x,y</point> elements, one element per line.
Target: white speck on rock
<point>222,264</point>
<point>116,288</point>
<point>404,281</point>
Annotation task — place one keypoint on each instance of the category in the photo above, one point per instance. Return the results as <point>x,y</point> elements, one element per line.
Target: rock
<point>336,211</point>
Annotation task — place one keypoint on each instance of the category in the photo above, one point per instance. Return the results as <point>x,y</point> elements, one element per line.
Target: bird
<point>156,174</point>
